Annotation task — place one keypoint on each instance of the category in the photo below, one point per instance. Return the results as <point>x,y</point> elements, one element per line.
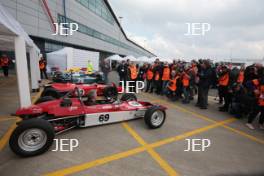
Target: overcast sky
<point>237,27</point>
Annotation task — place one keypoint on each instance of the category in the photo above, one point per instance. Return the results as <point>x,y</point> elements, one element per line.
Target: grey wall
<point>33,18</point>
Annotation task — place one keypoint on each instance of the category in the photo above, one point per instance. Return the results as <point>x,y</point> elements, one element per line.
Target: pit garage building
<point>99,28</point>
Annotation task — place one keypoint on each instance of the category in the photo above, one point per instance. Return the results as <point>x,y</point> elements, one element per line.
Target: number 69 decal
<point>103,117</point>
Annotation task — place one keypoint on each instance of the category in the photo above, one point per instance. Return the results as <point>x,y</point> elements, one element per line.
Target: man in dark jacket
<point>122,72</point>
<point>205,79</point>
<point>157,76</point>
<point>105,67</point>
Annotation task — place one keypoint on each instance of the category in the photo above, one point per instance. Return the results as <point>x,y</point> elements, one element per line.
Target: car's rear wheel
<point>45,99</point>
<point>128,97</point>
<point>32,137</point>
<point>154,117</point>
<point>110,92</point>
<point>51,92</point>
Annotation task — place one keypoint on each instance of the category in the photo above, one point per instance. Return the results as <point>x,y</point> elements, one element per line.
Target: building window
<point>96,34</point>
<point>99,8</point>
<point>50,47</point>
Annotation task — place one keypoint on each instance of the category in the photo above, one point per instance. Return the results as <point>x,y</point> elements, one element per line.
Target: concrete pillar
<point>22,72</point>
<point>34,67</point>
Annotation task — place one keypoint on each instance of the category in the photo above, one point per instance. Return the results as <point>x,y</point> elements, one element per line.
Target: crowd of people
<point>240,89</point>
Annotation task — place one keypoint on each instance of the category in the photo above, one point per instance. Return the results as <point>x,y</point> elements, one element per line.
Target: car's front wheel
<point>32,137</point>
<point>154,117</point>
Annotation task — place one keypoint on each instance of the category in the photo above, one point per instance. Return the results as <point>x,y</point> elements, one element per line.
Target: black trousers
<point>132,85</point>
<point>149,85</point>
<point>254,114</point>
<point>124,79</point>
<point>223,92</point>
<point>5,70</point>
<point>43,73</point>
<point>203,96</point>
<point>158,86</point>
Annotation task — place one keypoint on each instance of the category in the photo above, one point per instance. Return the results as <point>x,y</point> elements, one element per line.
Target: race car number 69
<point>103,117</point>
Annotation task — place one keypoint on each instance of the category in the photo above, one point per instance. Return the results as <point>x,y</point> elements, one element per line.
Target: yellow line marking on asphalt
<point>36,97</point>
<point>6,136</point>
<point>191,133</point>
<point>167,168</point>
<point>98,162</point>
<point>253,138</point>
<point>7,118</point>
<point>125,154</point>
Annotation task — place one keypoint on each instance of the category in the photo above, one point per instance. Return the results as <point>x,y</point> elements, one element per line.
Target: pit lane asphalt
<point>131,148</point>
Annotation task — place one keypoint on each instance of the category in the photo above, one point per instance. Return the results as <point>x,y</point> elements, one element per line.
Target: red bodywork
<point>66,87</point>
<point>78,108</point>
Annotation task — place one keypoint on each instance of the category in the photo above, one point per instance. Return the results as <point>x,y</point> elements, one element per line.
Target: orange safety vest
<point>240,78</point>
<point>5,61</point>
<point>255,82</point>
<point>41,65</point>
<point>185,81</point>
<point>166,74</point>
<point>150,74</point>
<point>157,76</point>
<point>261,96</point>
<point>223,80</point>
<point>173,84</point>
<point>133,72</point>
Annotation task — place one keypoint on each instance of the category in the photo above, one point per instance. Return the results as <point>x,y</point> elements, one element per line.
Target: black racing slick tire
<point>32,137</point>
<point>51,92</point>
<point>154,117</point>
<point>45,99</point>
<point>128,97</point>
<point>110,92</point>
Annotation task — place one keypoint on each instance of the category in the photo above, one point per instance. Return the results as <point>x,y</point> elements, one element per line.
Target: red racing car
<point>40,123</point>
<point>57,90</point>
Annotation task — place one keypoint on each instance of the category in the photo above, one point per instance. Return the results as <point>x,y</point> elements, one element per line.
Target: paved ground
<point>132,149</point>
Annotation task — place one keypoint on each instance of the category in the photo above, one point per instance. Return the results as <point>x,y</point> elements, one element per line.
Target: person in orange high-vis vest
<point>42,68</point>
<point>224,79</point>
<point>172,86</point>
<point>5,62</point>
<point>149,78</point>
<point>223,82</point>
<point>186,86</point>
<point>241,76</point>
<point>133,73</point>
<point>165,76</point>
<point>259,106</point>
